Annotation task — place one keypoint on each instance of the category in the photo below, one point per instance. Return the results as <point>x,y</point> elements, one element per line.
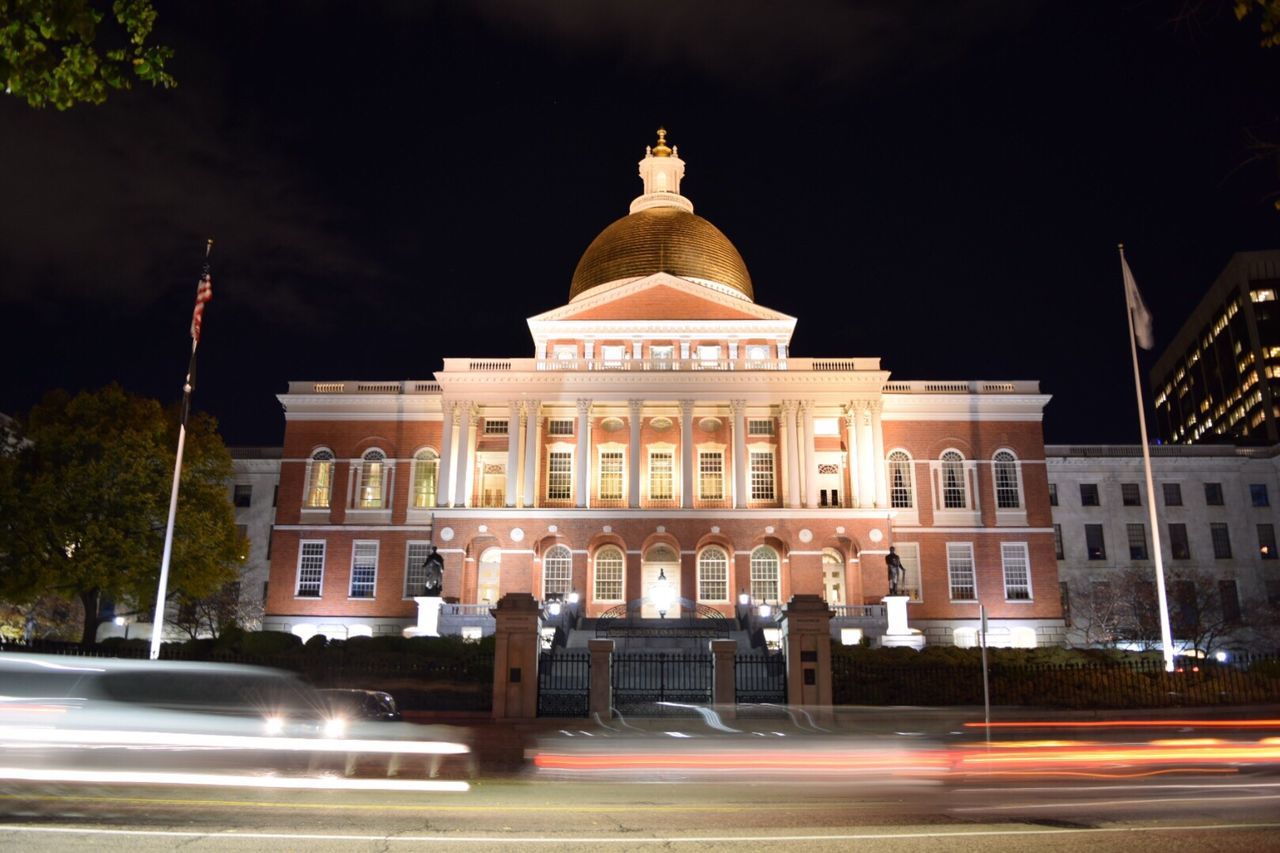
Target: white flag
<point>1141,316</point>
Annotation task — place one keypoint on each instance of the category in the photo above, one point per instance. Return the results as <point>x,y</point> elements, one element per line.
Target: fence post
<point>806,641</point>
<point>724,683</point>
<point>515,658</point>
<point>600,697</point>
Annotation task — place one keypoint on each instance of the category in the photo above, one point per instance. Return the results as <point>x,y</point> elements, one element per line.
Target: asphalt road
<point>1187,812</point>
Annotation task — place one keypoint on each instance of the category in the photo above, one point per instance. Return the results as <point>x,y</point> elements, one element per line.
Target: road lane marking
<point>1099,804</point>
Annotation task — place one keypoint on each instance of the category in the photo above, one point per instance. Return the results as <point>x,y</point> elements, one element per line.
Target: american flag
<point>204,292</point>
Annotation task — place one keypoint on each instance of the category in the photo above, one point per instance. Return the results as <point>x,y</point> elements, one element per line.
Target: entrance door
<point>660,562</point>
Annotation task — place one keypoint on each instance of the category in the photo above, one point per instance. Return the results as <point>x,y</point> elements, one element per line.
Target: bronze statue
<point>433,574</point>
<point>896,572</point>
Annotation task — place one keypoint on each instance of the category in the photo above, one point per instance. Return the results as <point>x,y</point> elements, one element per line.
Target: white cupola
<point>661,170</point>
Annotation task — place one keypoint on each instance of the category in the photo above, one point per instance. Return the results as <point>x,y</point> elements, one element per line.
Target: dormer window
<point>708,353</point>
<point>565,352</point>
<point>758,352</point>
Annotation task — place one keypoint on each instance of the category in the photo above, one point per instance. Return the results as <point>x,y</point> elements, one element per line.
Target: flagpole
<point>157,625</point>
<point>1166,636</point>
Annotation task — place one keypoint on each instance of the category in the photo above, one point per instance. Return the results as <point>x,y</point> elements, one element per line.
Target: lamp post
<point>662,594</point>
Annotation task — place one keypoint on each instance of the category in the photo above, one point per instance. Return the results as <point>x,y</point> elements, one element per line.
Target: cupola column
<point>633,454</point>
<point>740,465</point>
<point>584,452</point>
<point>687,472</point>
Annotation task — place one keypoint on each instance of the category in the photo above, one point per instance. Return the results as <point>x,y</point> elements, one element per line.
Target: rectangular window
<point>762,475</point>
<point>1213,494</point>
<point>760,427</point>
<point>708,354</point>
<point>559,475</point>
<point>1267,541</point>
<point>662,355</point>
<point>661,476</point>
<point>1178,545</point>
<point>1053,494</point>
<point>1137,534</point>
<point>1094,542</point>
<point>1230,599</point>
<point>1130,495</point>
<point>1088,494</point>
<point>1172,494</point>
<point>613,355</point>
<point>244,495</point>
<point>1057,542</point>
<point>415,575</point>
<point>496,426</point>
<point>909,553</point>
<point>1258,494</point>
<point>960,571</point>
<point>609,565</point>
<point>560,426</point>
<point>310,569</point>
<point>711,475</point>
<point>1221,540</point>
<point>364,569</point>
<point>611,475</point>
<point>1017,571</point>
<point>320,481</point>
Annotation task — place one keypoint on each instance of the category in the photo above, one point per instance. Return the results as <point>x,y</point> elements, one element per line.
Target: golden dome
<point>661,239</point>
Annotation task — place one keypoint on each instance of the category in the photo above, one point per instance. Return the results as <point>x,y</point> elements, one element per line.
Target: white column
<point>687,470</point>
<point>513,452</point>
<point>584,449</point>
<point>733,350</point>
<point>794,463</point>
<point>633,454</point>
<point>532,451</point>
<point>444,486</point>
<point>467,422</point>
<point>784,454</point>
<point>810,458</point>
<point>684,350</point>
<point>740,462</point>
<point>877,451</point>
<point>851,443</point>
<point>866,453</point>
<point>637,350</point>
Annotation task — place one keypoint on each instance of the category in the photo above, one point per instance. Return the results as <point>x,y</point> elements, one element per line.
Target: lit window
<point>566,352</point>
<point>713,575</point>
<point>372,466</point>
<point>708,353</point>
<point>310,569</point>
<point>757,352</point>
<point>319,479</point>
<point>415,574</point>
<point>901,484</point>
<point>557,571</point>
<point>954,493</point>
<point>711,475</point>
<point>559,475</point>
<point>560,426</point>
<point>960,571</point>
<point>760,427</point>
<point>609,569</point>
<point>610,475</point>
<point>1267,541</point>
<point>364,569</point>
<point>1263,295</point>
<point>1005,465</point>
<point>909,553</point>
<point>1017,571</point>
<point>662,355</point>
<point>426,470</point>
<point>496,426</point>
<point>762,475</point>
<point>826,426</point>
<point>833,576</point>
<point>764,574</point>
<point>613,355</point>
<point>661,479</point>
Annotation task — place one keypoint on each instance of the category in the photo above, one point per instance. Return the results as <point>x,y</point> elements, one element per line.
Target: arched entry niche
<point>660,560</point>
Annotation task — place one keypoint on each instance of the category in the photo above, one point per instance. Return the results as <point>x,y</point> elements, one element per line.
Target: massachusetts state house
<point>662,428</point>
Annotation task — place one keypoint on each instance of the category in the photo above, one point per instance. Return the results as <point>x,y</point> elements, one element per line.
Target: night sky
<point>390,183</point>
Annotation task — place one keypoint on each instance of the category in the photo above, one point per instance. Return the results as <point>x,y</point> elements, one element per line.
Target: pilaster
<point>687,470</point>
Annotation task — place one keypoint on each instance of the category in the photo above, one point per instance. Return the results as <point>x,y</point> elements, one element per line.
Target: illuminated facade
<point>662,427</point>
<point>1219,380</point>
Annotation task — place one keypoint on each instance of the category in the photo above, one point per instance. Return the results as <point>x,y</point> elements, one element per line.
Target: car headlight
<point>274,725</point>
<point>337,727</point>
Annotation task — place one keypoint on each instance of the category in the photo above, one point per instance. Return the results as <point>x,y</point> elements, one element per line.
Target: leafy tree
<point>84,503</point>
<point>50,52</point>
<point>1268,15</point>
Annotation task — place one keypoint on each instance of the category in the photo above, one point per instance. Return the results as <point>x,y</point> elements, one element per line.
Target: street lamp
<point>662,594</point>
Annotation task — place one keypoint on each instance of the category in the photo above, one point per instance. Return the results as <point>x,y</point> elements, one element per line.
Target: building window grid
<point>760,426</point>
<point>1267,541</point>
<point>960,573</point>
<point>711,475</point>
<point>319,480</point>
<point>426,472</point>
<point>415,572</point>
<point>1089,494</point>
<point>496,426</point>
<point>1008,495</point>
<point>1221,536</point>
<point>901,492</point>
<point>909,553</point>
<point>661,475</point>
<point>372,469</point>
<point>1213,494</point>
<point>762,475</point>
<point>1095,542</point>
<point>559,475</point>
<point>1172,494</point>
<point>557,571</point>
<point>364,569</point>
<point>713,575</point>
<point>1017,571</point>
<point>1179,547</point>
<point>954,493</point>
<point>1137,536</point>
<point>310,569</point>
<point>1130,495</point>
<point>560,426</point>
<point>611,475</point>
<point>764,574</point>
<point>608,575</point>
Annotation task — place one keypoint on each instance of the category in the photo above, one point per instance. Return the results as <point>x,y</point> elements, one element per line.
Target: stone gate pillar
<point>806,642</point>
<point>724,685</point>
<point>515,658</point>
<point>600,697</point>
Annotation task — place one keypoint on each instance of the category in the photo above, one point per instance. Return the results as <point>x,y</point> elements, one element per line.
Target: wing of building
<point>663,427</point>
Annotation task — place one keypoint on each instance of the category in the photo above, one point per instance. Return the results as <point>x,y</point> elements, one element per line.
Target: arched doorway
<point>489,576</point>
<point>661,564</point>
<point>833,585</point>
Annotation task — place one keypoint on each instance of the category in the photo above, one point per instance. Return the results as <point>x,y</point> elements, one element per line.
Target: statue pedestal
<point>428,617</point>
<point>898,633</point>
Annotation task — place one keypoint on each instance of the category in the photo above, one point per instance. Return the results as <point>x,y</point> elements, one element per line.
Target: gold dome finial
<point>661,149</point>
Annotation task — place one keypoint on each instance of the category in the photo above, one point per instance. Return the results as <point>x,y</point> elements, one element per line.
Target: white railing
<point>873,612</point>
<point>467,609</point>
<point>977,386</point>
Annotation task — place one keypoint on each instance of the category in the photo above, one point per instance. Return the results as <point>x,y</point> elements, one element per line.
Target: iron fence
<point>564,684</point>
<point>645,684</point>
<point>760,678</point>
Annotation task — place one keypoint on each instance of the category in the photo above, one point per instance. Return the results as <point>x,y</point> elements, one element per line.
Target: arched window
<point>372,469</point>
<point>713,575</point>
<point>557,571</point>
<point>489,576</point>
<point>901,484</point>
<point>764,574</point>
<point>610,566</point>
<point>426,470</point>
<point>833,575</point>
<point>661,553</point>
<point>954,493</point>
<point>1005,467</point>
<point>319,479</point>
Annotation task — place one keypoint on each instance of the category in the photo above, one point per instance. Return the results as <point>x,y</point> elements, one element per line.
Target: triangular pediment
<point>659,297</point>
